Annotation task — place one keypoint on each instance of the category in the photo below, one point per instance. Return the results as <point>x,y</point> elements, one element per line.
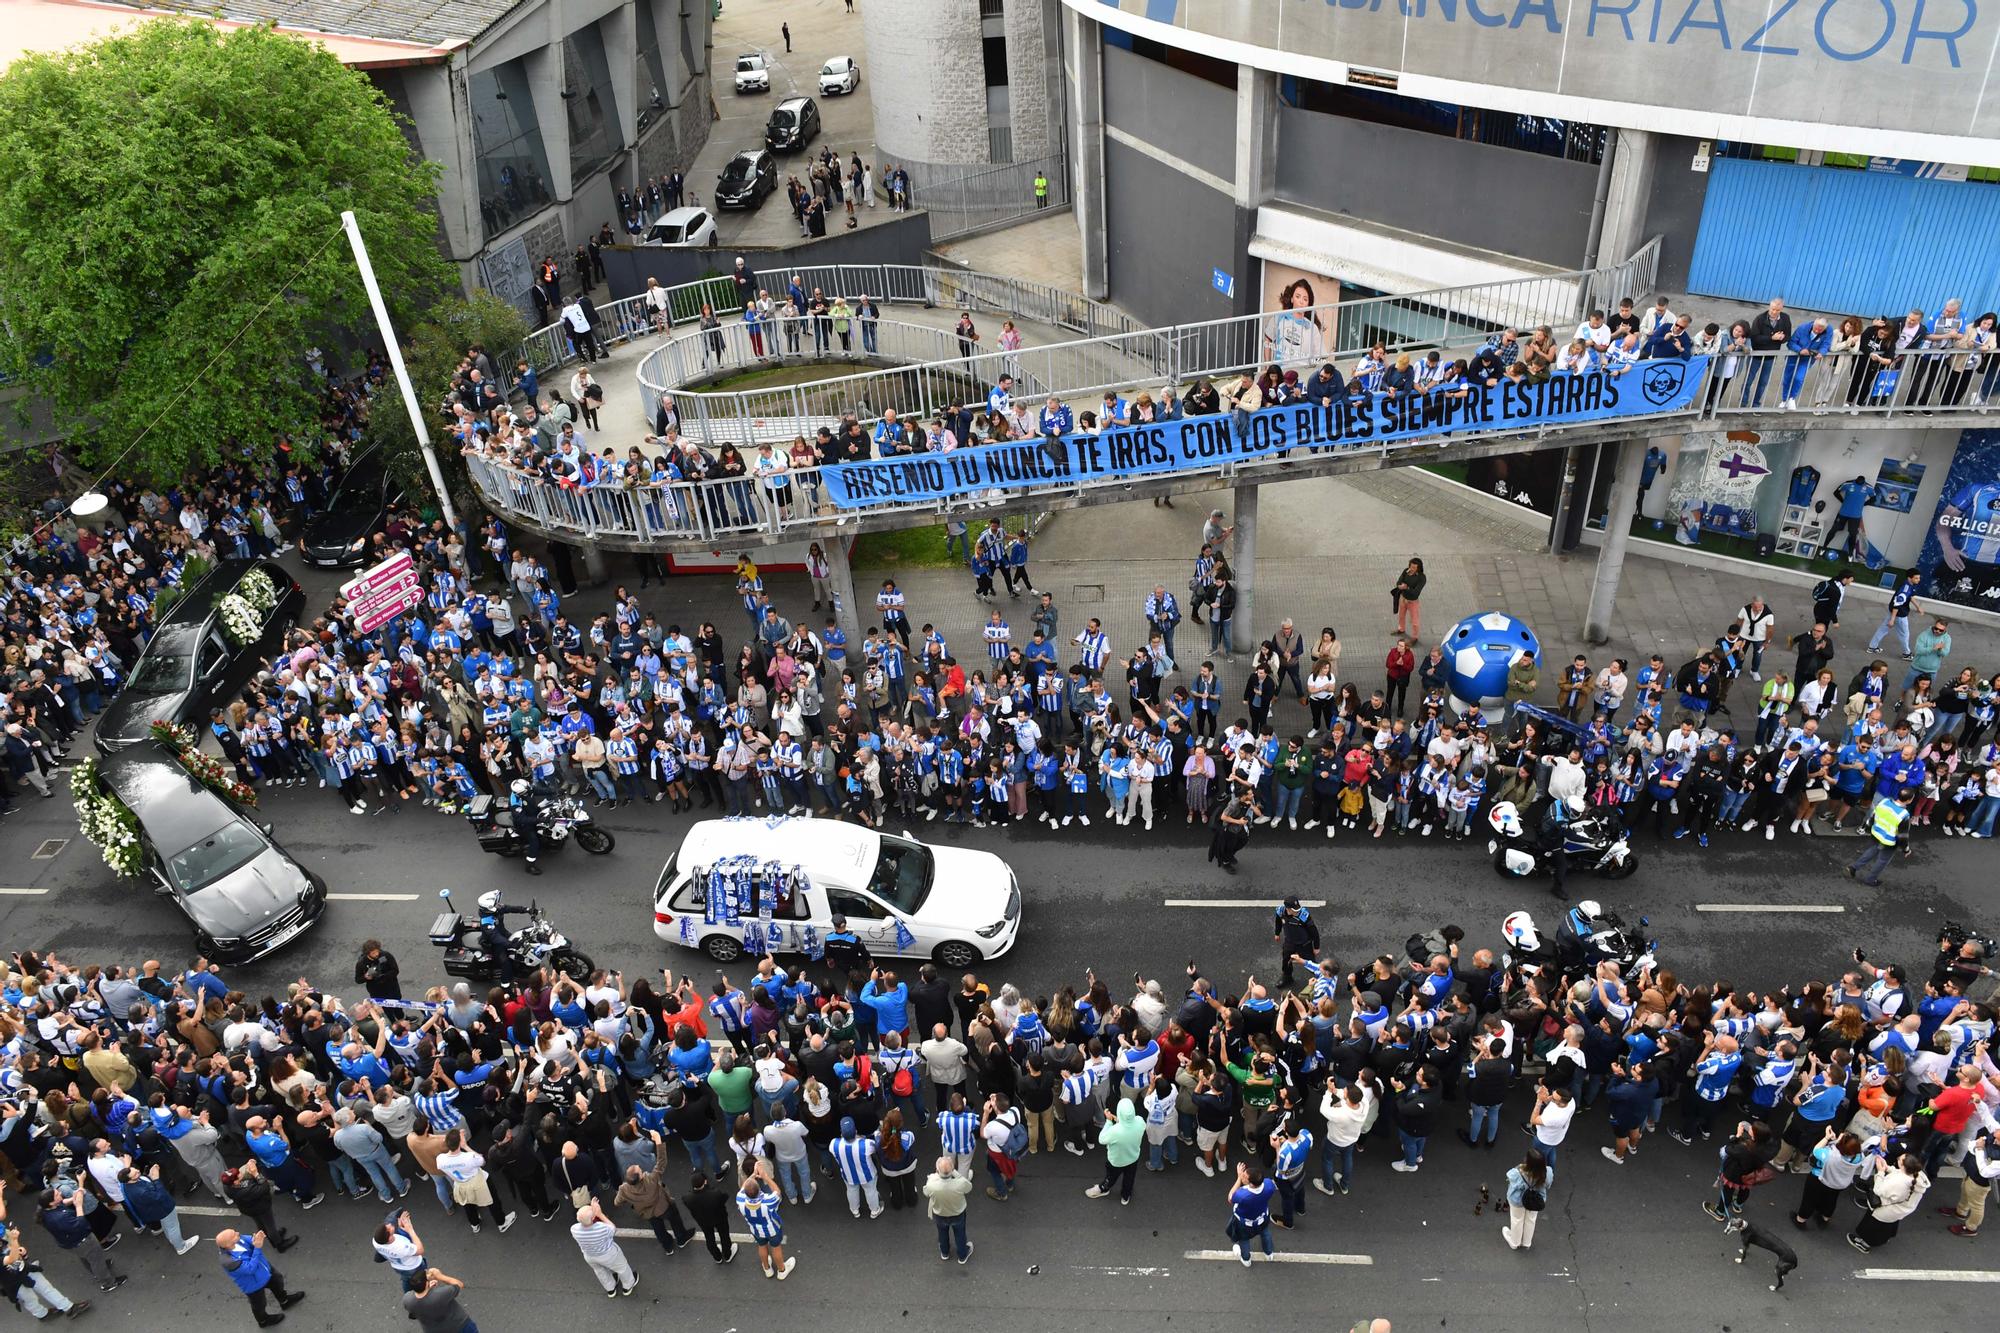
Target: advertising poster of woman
<point>1296,336</point>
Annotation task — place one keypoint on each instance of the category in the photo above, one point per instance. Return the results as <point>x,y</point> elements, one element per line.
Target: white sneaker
<point>1426,833</point>
<point>1084,818</point>
<point>1201,1165</point>
<point>187,1244</point>
<point>1612,1154</point>
<point>1795,826</point>
<point>1329,830</point>
<point>1805,827</point>
<point>1294,823</point>
<point>1749,824</point>
<point>1149,823</point>
<point>1756,675</point>
<point>1311,824</point>
<point>1065,821</point>
<point>1770,832</point>
<point>1401,1166</point>
<point>1095,1192</point>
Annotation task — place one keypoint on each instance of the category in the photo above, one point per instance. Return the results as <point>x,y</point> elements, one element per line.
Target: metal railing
<point>1450,316</point>
<point>1921,387</point>
<point>899,284</point>
<point>988,196</point>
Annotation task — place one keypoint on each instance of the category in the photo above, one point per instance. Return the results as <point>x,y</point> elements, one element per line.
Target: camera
<point>1957,936</point>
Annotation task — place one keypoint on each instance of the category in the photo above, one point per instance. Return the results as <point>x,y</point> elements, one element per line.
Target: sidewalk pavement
<point>1329,550</point>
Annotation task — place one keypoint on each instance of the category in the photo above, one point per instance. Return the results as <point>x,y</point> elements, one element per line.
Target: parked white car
<point>839,75</point>
<point>753,73</point>
<point>959,907</point>
<point>682,226</point>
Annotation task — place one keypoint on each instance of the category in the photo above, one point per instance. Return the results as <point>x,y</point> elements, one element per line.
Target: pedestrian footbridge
<point>1077,350</point>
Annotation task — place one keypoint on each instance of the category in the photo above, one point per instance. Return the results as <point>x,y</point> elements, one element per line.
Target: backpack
<point>902,1084</point>
<point>1534,1200</point>
<point>1823,591</point>
<point>1017,1139</point>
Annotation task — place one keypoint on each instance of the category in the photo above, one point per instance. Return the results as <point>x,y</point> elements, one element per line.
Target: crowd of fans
<point>126,1088</point>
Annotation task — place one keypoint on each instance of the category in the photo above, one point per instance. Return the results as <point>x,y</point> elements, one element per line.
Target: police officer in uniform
<point>493,932</point>
<point>845,952</point>
<point>527,807</point>
<point>1554,818</point>
<point>1295,932</point>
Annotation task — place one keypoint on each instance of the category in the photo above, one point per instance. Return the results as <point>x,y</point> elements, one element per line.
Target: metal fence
<point>989,196</point>
<point>1920,388</point>
<point>890,284</point>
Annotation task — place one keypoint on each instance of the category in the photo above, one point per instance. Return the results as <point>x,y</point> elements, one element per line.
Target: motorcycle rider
<point>528,810</point>
<point>1554,818</point>
<point>493,932</point>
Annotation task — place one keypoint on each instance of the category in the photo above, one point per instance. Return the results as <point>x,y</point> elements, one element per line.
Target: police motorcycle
<point>1591,840</point>
<point>467,942</point>
<point>562,819</point>
<point>1587,936</point>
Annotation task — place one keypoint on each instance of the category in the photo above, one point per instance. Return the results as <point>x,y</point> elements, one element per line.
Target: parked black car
<point>793,123</point>
<point>190,663</point>
<point>359,506</point>
<point>747,180</point>
<point>243,893</point>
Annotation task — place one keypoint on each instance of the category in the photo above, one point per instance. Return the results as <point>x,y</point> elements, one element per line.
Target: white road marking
<point>23,893</point>
<point>646,1233</point>
<point>216,1210</point>
<point>1831,908</point>
<point>1265,903</point>
<point>1926,1275</point>
<point>1122,1271</point>
<point>1285,1257</point>
<point>377,898</point>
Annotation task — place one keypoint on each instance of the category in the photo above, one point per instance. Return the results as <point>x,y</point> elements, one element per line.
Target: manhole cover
<point>48,849</point>
<point>1087,592</point>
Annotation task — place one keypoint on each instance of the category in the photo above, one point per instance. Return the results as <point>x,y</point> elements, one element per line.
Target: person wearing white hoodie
<point>1346,1111</point>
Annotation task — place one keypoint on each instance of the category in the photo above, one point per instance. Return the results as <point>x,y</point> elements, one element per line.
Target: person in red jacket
<point>1402,661</point>
<point>1951,1111</point>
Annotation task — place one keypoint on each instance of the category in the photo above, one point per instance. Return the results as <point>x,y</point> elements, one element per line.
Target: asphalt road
<point>1617,1246</point>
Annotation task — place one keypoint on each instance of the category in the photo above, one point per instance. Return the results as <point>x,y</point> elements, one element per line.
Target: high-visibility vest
<point>1887,821</point>
<point>1041,186</point>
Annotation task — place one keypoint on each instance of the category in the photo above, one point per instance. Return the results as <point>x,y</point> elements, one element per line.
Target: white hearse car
<point>959,907</point>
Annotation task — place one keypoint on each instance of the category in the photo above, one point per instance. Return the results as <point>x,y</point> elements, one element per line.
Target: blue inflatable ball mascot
<point>1478,652</point>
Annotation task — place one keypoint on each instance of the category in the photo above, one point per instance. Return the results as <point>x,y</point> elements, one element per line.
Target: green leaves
<point>167,187</point>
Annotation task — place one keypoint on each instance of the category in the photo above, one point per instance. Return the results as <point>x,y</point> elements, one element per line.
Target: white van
<point>959,906</point>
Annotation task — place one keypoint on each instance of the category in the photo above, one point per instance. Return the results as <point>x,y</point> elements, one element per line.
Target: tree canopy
<point>170,221</point>
<point>433,349</point>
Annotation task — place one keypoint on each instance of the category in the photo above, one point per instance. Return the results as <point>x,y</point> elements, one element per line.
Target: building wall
<point>435,100</point>
<point>1163,233</point>
<point>1033,75</point>
<point>1179,113</point>
<point>1895,78</point>
<point>927,80</point>
<point>1673,210</point>
<point>1528,204</point>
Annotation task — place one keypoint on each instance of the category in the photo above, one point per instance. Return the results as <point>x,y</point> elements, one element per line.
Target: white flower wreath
<point>257,589</point>
<point>240,620</point>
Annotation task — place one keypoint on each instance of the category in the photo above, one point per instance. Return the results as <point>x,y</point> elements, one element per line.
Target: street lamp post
<point>396,364</point>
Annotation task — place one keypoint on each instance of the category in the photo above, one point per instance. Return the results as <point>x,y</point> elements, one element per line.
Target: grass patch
<point>920,548</point>
<point>783,377</point>
<point>905,548</point>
